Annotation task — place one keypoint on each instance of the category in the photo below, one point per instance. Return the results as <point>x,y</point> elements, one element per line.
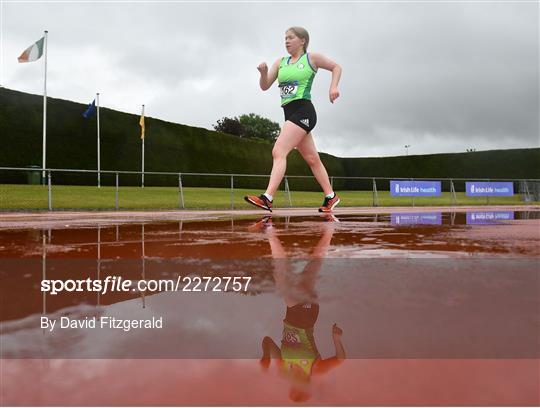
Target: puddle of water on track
<point>415,296</point>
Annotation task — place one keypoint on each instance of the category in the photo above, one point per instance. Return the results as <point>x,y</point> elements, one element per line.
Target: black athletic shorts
<point>303,315</point>
<point>302,113</point>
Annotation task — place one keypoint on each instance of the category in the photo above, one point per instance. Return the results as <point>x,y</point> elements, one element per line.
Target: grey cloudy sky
<point>440,76</point>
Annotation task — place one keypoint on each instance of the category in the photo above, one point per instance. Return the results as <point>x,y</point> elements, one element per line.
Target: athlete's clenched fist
<point>263,68</point>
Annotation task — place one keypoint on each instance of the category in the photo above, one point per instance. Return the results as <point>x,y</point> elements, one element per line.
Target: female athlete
<point>295,75</point>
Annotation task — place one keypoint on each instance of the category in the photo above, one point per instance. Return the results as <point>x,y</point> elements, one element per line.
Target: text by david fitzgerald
<point>102,322</point>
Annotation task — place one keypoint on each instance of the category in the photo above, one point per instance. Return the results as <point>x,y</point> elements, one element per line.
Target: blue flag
<point>91,109</point>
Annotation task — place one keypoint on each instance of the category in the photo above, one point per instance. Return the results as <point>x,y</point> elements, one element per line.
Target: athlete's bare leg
<point>290,136</point>
<point>298,288</point>
<point>307,149</point>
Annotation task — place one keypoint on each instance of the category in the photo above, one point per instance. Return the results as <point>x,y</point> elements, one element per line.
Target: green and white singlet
<point>295,79</point>
<point>298,348</point>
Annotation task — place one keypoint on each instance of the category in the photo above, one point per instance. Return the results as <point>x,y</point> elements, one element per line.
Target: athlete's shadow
<point>298,358</point>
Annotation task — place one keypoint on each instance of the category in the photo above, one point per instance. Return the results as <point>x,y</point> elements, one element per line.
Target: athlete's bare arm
<point>337,332</point>
<point>320,61</point>
<point>270,352</point>
<point>268,77</point>
<point>323,366</point>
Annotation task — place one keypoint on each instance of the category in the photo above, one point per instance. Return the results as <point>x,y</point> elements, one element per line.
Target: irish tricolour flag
<point>34,52</point>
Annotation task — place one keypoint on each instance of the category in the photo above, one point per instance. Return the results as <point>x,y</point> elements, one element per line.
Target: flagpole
<point>98,146</point>
<point>142,146</point>
<point>44,166</point>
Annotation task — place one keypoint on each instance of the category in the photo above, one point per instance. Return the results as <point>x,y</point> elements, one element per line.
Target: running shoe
<point>260,201</point>
<point>329,203</point>
<point>261,225</point>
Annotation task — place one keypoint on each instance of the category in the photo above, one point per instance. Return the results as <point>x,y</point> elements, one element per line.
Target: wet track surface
<point>431,308</point>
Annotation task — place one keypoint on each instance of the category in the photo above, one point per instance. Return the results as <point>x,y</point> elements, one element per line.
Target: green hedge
<point>171,147</point>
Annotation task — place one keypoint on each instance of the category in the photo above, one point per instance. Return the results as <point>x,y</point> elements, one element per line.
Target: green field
<point>35,197</point>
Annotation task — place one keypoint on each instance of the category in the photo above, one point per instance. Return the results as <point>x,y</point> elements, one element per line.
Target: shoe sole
<point>331,208</point>
<point>264,207</point>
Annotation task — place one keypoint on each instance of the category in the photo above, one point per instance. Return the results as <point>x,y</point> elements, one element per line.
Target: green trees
<point>257,127</point>
<point>231,126</point>
<point>251,126</point>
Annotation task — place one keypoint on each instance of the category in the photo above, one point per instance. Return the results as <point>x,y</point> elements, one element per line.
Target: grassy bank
<point>35,197</point>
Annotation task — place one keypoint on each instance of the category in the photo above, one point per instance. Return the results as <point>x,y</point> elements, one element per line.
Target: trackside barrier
<point>375,194</point>
<point>114,182</point>
<point>232,192</point>
<point>116,191</point>
<point>288,191</point>
<point>453,192</point>
<point>181,191</point>
<point>49,190</point>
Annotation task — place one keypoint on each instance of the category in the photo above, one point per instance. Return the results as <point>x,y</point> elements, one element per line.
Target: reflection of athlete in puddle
<point>298,357</point>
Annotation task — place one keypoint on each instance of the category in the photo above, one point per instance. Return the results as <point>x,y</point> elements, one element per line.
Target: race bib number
<point>291,338</point>
<point>288,89</point>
